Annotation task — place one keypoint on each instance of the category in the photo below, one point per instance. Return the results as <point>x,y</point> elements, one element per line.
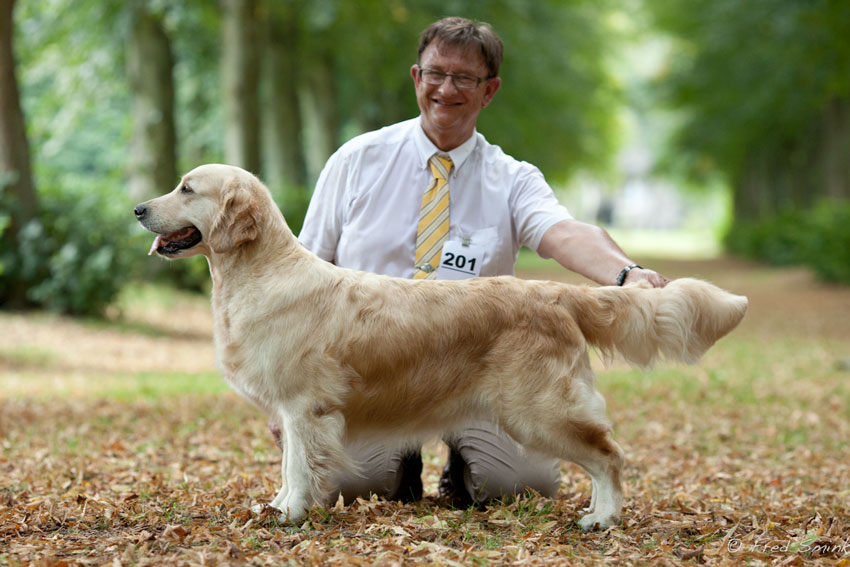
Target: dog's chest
<point>245,371</point>
<point>252,386</point>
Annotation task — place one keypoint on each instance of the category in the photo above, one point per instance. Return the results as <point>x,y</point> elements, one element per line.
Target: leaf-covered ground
<point>119,445</point>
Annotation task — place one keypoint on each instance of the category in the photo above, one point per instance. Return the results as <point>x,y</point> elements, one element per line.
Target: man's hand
<point>651,276</point>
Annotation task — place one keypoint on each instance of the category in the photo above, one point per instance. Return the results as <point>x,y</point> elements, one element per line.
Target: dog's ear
<point>237,221</point>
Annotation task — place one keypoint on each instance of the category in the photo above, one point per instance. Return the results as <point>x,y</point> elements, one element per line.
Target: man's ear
<point>236,223</point>
<point>490,90</point>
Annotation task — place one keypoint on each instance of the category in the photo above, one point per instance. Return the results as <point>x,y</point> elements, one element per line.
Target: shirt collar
<point>426,147</point>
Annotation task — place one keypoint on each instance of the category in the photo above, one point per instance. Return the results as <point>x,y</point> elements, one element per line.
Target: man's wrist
<point>624,273</point>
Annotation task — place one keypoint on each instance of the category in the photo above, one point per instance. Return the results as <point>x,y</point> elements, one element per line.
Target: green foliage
<point>75,258</point>
<point>72,88</point>
<point>818,238</point>
<point>829,241</point>
<point>556,107</point>
<point>293,204</point>
<point>750,74</point>
<point>778,240</point>
<point>763,94</point>
<point>558,104</point>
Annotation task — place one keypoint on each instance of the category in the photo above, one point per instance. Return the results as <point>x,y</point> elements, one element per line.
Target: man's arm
<point>322,225</point>
<point>590,251</point>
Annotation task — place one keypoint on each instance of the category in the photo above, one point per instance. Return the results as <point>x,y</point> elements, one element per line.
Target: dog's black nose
<point>140,211</point>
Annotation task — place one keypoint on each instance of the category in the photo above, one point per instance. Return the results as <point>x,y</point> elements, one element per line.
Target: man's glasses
<point>463,82</point>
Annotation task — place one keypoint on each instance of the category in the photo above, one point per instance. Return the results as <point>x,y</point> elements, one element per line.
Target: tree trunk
<point>798,173</point>
<point>318,97</point>
<point>836,149</point>
<point>287,168</point>
<point>241,76</point>
<point>17,190</point>
<point>150,68</point>
<point>753,194</point>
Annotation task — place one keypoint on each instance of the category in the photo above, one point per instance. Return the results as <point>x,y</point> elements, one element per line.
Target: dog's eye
<point>186,189</point>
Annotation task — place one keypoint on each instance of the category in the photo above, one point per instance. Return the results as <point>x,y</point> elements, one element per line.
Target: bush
<point>778,240</point>
<point>86,245</point>
<point>76,257</point>
<point>818,238</point>
<point>828,244</point>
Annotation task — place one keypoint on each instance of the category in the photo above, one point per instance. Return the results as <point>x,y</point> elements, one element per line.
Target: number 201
<point>458,261</point>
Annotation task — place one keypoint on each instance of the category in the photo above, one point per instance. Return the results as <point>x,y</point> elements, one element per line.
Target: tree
<point>17,190</point>
<point>150,72</point>
<point>241,80</point>
<point>286,160</point>
<point>766,96</point>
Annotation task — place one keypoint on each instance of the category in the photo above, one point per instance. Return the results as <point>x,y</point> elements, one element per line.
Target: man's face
<point>449,114</point>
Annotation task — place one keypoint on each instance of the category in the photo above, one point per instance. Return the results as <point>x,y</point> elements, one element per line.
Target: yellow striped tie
<point>433,229</point>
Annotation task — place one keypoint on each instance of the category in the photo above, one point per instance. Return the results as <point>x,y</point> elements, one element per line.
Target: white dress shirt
<point>365,209</point>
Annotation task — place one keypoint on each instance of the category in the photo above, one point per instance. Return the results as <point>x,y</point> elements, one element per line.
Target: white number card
<point>460,261</point>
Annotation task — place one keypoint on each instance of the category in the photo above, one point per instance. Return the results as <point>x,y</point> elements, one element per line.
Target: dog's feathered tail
<point>679,322</point>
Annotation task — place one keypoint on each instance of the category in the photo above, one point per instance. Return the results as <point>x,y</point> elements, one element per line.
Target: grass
<point>27,356</point>
<point>119,387</point>
<point>110,453</point>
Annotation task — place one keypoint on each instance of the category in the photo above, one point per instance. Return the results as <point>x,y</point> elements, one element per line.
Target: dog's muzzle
<point>171,243</point>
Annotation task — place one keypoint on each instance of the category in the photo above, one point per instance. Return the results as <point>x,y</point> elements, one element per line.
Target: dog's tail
<point>679,322</point>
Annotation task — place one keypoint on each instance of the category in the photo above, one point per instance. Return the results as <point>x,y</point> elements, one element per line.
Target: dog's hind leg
<point>590,446</point>
<point>312,452</point>
<point>602,458</point>
<point>576,429</point>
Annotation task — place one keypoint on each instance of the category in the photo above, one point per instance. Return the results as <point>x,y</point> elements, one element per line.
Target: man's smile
<point>446,103</point>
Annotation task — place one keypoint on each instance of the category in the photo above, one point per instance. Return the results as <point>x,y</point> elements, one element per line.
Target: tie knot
<point>441,165</point>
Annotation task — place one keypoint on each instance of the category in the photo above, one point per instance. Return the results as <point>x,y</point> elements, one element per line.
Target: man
<point>377,207</point>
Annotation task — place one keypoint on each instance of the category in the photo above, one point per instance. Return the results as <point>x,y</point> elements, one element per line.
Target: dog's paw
<point>264,510</point>
<point>290,517</point>
<point>292,510</point>
<point>593,522</point>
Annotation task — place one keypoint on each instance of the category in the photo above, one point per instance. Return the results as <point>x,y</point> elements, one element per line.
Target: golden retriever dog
<point>333,354</point>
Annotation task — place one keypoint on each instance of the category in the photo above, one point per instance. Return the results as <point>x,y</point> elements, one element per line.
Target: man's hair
<point>466,34</point>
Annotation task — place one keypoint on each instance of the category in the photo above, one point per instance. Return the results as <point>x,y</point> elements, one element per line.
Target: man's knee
<point>377,472</point>
<point>503,483</point>
<point>498,468</point>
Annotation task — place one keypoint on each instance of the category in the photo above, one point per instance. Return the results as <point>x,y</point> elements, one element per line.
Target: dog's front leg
<point>277,430</point>
<point>312,453</point>
<point>593,494</point>
<point>280,439</point>
<point>280,500</point>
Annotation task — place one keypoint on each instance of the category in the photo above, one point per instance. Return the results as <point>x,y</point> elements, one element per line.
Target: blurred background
<point>687,128</point>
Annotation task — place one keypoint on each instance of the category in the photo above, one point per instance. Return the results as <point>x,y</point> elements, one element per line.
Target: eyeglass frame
<point>454,77</point>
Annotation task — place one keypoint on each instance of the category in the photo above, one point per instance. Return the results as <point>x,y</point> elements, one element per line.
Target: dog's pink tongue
<point>156,242</point>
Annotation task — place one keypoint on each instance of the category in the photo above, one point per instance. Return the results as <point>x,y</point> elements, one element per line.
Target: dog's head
<point>214,209</point>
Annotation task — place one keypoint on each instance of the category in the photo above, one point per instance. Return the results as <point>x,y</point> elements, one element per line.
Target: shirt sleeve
<point>535,207</point>
<point>325,214</point>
